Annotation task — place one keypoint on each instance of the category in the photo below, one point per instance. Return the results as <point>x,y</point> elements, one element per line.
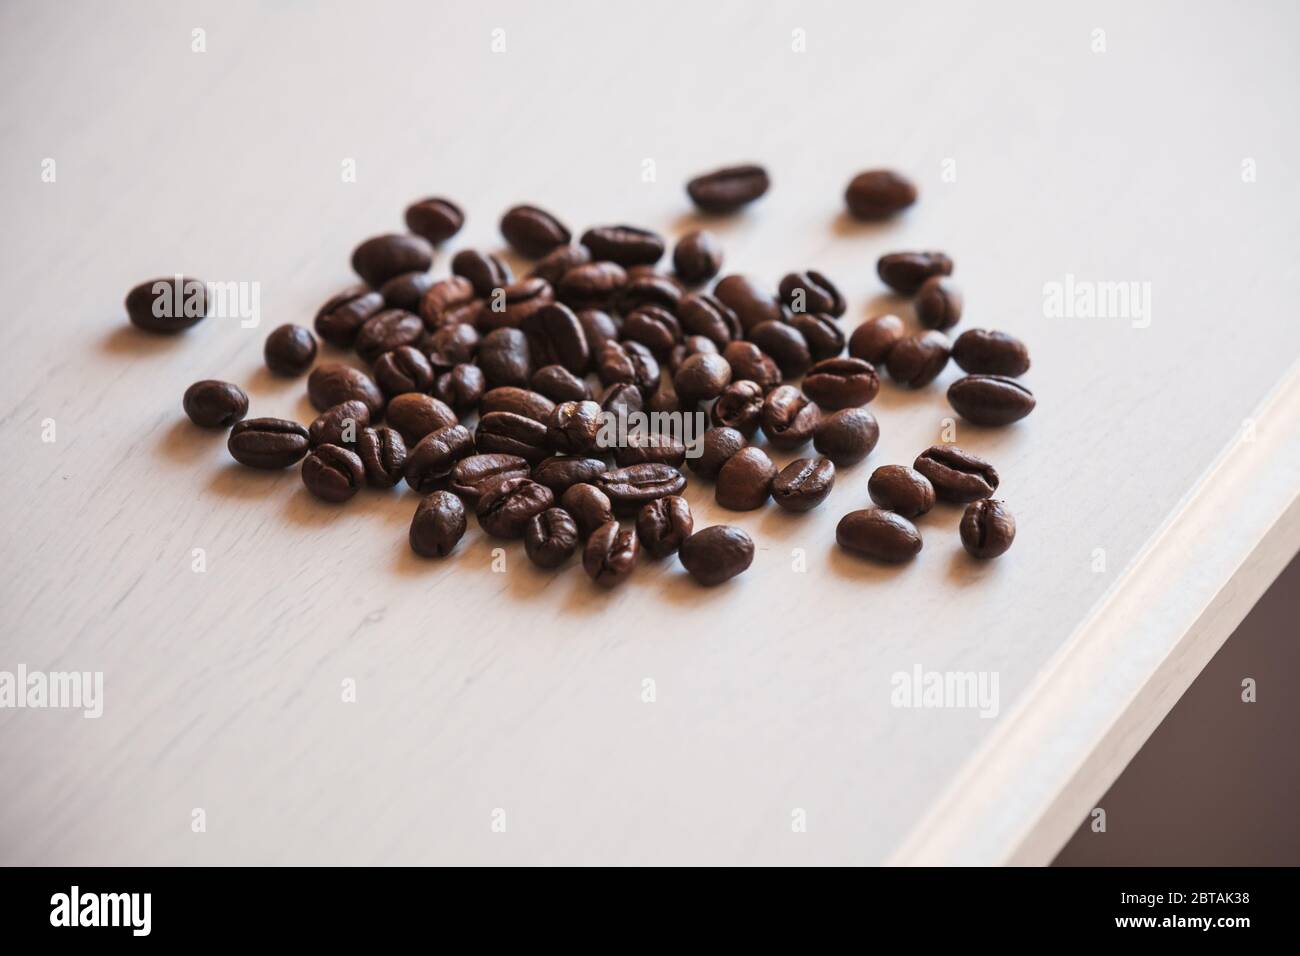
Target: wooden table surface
<point>501,716</point>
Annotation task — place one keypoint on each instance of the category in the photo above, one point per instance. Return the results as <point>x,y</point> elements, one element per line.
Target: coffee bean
<point>982,352</point>
<point>512,434</point>
<point>626,245</point>
<point>906,272</point>
<point>404,369</point>
<point>808,292</point>
<point>729,189</point>
<point>987,529</point>
<point>990,399</point>
<point>621,398</point>
<point>505,358</point>
<point>874,339</point>
<point>461,388</point>
<point>168,305</point>
<point>786,345</point>
<point>648,446</point>
<point>878,534</point>
<point>483,270</point>
<point>752,304</point>
<point>561,472</point>
<point>436,219</point>
<point>939,303</point>
<point>917,360</point>
<point>957,475</point>
<point>521,401</point>
<point>841,383</point>
<point>438,525</point>
<point>332,473</point>
<point>702,314</point>
<point>663,524</point>
<point>750,363</point>
<point>628,363</point>
<point>450,345</point>
<point>592,285</point>
<point>383,454</point>
<point>472,474</point>
<point>435,455</point>
<point>697,257</point>
<point>556,337</point>
<point>213,404</point>
<point>340,319</point>
<point>533,232</point>
<point>515,304</point>
<point>745,481</point>
<point>611,554</point>
<point>340,425</point>
<point>702,377</point>
<point>588,505</point>
<point>415,415</point>
<point>558,261</point>
<point>788,418</point>
<point>691,345</point>
<point>379,259</point>
<point>599,328</point>
<point>559,384</point>
<point>901,489</point>
<point>654,327</point>
<point>803,484</point>
<point>878,194</point>
<point>823,334</point>
<point>388,330</point>
<point>289,350</point>
<point>716,554</point>
<point>572,427</point>
<point>550,538</point>
<point>647,287</point>
<point>450,301</point>
<point>333,383</point>
<point>267,442</point>
<point>847,436</point>
<point>740,406</point>
<point>631,487</point>
<point>505,507</point>
<point>406,291</point>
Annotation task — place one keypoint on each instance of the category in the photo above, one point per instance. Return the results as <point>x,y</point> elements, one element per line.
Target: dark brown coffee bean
<point>647,287</point>
<point>559,384</point>
<point>957,475</point>
<point>505,507</point>
<point>431,460</point>
<point>716,554</point>
<point>404,369</point>
<point>873,340</point>
<point>663,524</point>
<point>647,446</point>
<point>435,219</point>
<point>704,314</point>
<point>697,257</point>
<point>593,285</point>
<point>521,401</point>
<point>533,232</point>
<point>557,262</point>
<point>786,345</point>
<point>631,487</point>
<point>415,415</point>
<point>810,292</point>
<point>333,383</point>
<point>702,377</point>
<point>379,259</point>
<point>505,358</point>
<point>654,327</point>
<point>168,305</point>
<point>987,529</point>
<point>906,272</point>
<point>550,538</point>
<point>438,525</point>
<point>878,194</point>
<point>289,350</point>
<point>745,481</point>
<point>823,334</point>
<point>588,505</point>
<point>841,383</point>
<point>752,303</point>
<point>938,303</point>
<point>789,418</point>
<point>472,474</point>
<point>901,489</point>
<point>449,301</point>
<point>804,483</point>
<point>750,363</point>
<point>981,352</point>
<point>267,442</point>
<point>332,473</point>
<point>341,425</point>
<point>882,535</point>
<point>514,305</point>
<point>383,454</point>
<point>990,399</point>
<point>717,446</point>
<point>556,337</point>
<point>512,434</point>
<point>561,472</point>
<point>740,406</point>
<point>388,330</point>
<point>461,388</point>
<point>340,319</point>
<point>628,363</point>
<point>406,291</point>
<point>450,345</point>
<point>621,398</point>
<point>599,328</point>
<point>690,345</point>
<point>847,436</point>
<point>213,404</point>
<point>917,360</point>
<point>729,189</point>
<point>626,245</point>
<point>572,427</point>
<point>611,554</point>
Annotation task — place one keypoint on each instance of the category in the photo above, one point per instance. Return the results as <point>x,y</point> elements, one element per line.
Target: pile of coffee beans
<point>487,391</point>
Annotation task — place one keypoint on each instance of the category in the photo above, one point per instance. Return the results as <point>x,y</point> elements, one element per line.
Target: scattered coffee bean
<point>379,259</point>
<point>213,404</point>
<point>906,272</point>
<point>717,446</point>
<point>631,487</point>
<point>740,406</point>
<point>505,507</point>
<point>505,358</point>
<point>588,505</point>
<point>332,473</point>
<point>647,287</point>
<point>435,219</point>
<point>938,303</point>
<point>432,459</point>
<point>593,285</point>
<point>879,534</point>
<point>383,454</point>
<point>626,245</point>
<point>981,352</point>
<point>987,529</point>
<point>752,304</point>
<point>750,363</point>
<point>823,334</point>
<point>697,257</point>
<point>550,538</point>
<point>716,554</point>
<point>561,472</point>
<point>388,330</point>
<point>415,415</point>
<point>806,292</point>
<point>703,314</point>
<point>559,384</point>
<point>556,337</point>
<point>599,328</point>
<point>873,340</point>
<point>521,401</point>
<point>847,436</point>
<point>558,261</point>
<point>332,384</point>
<point>729,189</point>
<point>702,377</point>
<point>745,481</point>
<point>267,442</point>
<point>621,398</point>
<point>406,291</point>
<point>512,306</point>
<point>533,232</point>
<point>878,194</point>
<point>654,327</point>
<point>628,363</point>
<point>663,524</point>
<point>788,418</point>
<point>340,319</point>
<point>804,483</point>
<point>452,300</point>
<point>648,446</point>
<point>471,475</point>
<point>450,345</point>
<point>901,489</point>
<point>610,554</point>
<point>841,383</point>
<point>917,360</point>
<point>289,350</point>
<point>167,305</point>
<point>572,427</point>
<point>786,345</point>
<point>990,399</point>
<point>512,434</point>
<point>403,369</point>
<point>461,388</point>
<point>340,425</point>
<point>957,475</point>
<point>439,523</point>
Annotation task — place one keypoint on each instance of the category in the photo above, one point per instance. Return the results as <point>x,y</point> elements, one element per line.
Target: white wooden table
<point>1154,487</point>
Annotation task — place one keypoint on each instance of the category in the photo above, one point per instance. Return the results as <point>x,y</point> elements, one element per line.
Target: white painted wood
<point>222,689</point>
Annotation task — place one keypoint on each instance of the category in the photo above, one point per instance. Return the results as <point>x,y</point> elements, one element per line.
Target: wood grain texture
<point>523,690</point>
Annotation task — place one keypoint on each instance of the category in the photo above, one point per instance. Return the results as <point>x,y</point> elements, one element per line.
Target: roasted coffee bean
<point>628,363</point>
<point>626,245</point>
<point>559,384</point>
<point>383,454</point>
<point>572,427</point>
<point>745,481</point>
<point>882,535</point>
<point>901,489</point>
<point>702,377</point>
<point>289,350</point>
<point>631,487</point>
<point>557,262</point>
<point>726,190</point>
<point>957,475</point>
<point>717,446</point>
<point>415,415</point>
<point>521,401</point>
<point>472,474</point>
<point>906,272</point>
<point>847,436</point>
<point>740,406</point>
<point>593,285</point>
<point>654,327</point>
<point>341,425</point>
<point>533,232</point>
<point>561,472</point>
<point>750,363</point>
<point>388,330</point>
<point>340,319</point>
<point>514,305</point>
<point>716,554</point>
<point>330,384</point>
<point>841,383</point>
<point>786,345</point>
<point>406,291</point>
<point>990,399</point>
<point>431,460</point>
<point>873,340</point>
<point>987,529</point>
<point>690,345</point>
<point>213,404</point>
<point>878,194</point>
<point>648,446</point>
<point>622,398</point>
<point>267,442</point>
<point>646,287</point>
<point>823,334</point>
<point>788,417</point>
<point>611,554</point>
<point>379,259</point>
<point>505,507</point>
<point>704,314</point>
<point>550,538</point>
<point>449,301</point>
<point>697,257</point>
<point>404,369</point>
<point>804,483</point>
<point>752,304</point>
<point>505,358</point>
<point>450,345</point>
<point>436,219</point>
<point>589,507</point>
<point>599,328</point>
<point>512,434</point>
<point>333,473</point>
<point>556,337</point>
<point>666,399</point>
<point>981,352</point>
<point>809,292</point>
<point>663,524</point>
<point>438,525</point>
<point>461,388</point>
<point>939,303</point>
<point>168,305</point>
<point>917,360</point>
